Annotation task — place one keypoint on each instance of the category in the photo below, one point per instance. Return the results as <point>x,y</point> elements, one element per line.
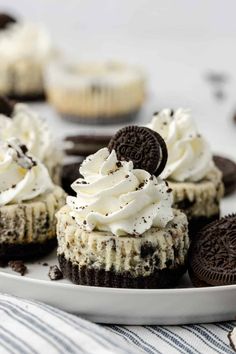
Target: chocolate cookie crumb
<point>55,273</point>
<point>45,264</point>
<point>18,266</point>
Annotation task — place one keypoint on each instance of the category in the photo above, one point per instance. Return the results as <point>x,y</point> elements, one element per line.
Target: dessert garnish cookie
<point>228,169</point>
<point>144,147</point>
<point>212,254</point>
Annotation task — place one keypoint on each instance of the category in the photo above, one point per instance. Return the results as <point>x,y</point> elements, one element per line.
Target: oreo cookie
<point>85,144</point>
<point>143,146</point>
<point>6,106</point>
<point>228,169</point>
<point>212,254</point>
<point>5,20</point>
<point>70,172</point>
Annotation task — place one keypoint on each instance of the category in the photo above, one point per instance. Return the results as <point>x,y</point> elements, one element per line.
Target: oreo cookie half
<point>70,173</point>
<point>228,169</point>
<point>5,20</point>
<point>143,146</point>
<point>85,144</point>
<point>6,106</point>
<point>212,254</point>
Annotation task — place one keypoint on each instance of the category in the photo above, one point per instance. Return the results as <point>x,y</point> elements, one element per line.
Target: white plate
<point>125,306</point>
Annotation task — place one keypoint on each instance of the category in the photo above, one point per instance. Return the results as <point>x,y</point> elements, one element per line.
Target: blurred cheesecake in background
<point>190,170</point>
<point>95,92</point>
<point>20,121</point>
<point>25,48</point>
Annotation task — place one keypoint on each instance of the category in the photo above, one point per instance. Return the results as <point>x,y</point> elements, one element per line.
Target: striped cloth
<point>28,327</point>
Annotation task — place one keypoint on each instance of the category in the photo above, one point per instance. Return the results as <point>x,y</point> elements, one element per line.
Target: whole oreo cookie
<point>141,145</point>
<point>212,254</point>
<point>228,169</point>
<point>5,20</point>
<point>6,106</point>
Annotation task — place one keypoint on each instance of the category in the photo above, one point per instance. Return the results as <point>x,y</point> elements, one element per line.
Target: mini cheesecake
<point>25,49</point>
<point>120,229</point>
<point>28,229</point>
<point>19,121</point>
<point>108,92</point>
<point>200,201</point>
<point>190,171</point>
<point>155,259</point>
<point>28,203</point>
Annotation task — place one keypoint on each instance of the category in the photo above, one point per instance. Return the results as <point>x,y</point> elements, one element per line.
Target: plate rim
<point>123,291</point>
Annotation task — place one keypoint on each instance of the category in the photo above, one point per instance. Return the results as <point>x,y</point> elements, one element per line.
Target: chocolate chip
<point>24,148</point>
<point>5,20</point>
<point>55,273</point>
<point>18,266</point>
<point>45,264</point>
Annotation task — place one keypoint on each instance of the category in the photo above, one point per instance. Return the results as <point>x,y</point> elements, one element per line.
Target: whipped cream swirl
<point>22,177</point>
<point>25,40</point>
<point>189,155</point>
<point>114,197</point>
<point>33,131</point>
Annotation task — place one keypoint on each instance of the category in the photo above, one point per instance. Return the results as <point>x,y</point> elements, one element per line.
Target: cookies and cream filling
<point>189,155</point>
<point>34,132</point>
<point>156,248</point>
<point>115,197</point>
<point>201,198</point>
<point>32,220</point>
<point>22,177</point>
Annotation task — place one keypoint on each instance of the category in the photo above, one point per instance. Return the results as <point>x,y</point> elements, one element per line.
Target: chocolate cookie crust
<point>165,278</point>
<point>26,251</point>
